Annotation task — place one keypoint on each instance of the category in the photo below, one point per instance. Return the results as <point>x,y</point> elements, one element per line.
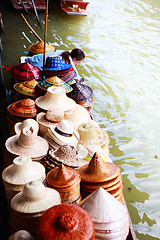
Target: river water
<point>121,40</point>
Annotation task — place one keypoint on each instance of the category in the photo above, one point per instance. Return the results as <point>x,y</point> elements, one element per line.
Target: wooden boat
<point>27,5</point>
<point>74,7</point>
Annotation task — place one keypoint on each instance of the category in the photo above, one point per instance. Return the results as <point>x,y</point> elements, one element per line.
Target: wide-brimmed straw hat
<point>27,88</point>
<point>23,108</point>
<point>55,64</point>
<point>29,122</point>
<point>63,133</point>
<point>28,143</point>
<point>55,97</point>
<point>54,81</point>
<point>38,48</point>
<point>73,223</point>
<point>25,71</point>
<point>65,154</point>
<point>90,134</point>
<point>35,197</point>
<point>80,92</point>
<point>98,171</point>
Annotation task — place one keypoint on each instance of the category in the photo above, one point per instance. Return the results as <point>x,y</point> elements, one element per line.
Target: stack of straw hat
<point>21,110</point>
<point>73,223</point>
<point>65,154</point>
<point>53,81</point>
<point>27,88</point>
<point>99,173</point>
<point>82,94</point>
<point>56,67</point>
<point>38,48</point>
<point>27,143</point>
<point>110,217</point>
<point>55,97</point>
<point>66,181</point>
<point>28,206</point>
<point>53,116</point>
<point>91,134</point>
<point>16,175</point>
<point>62,133</point>
<point>21,235</point>
<point>25,72</point>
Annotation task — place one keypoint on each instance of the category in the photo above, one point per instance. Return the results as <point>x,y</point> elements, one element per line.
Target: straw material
<point>34,198</point>
<point>55,97</point>
<point>63,133</point>
<point>27,88</point>
<point>23,108</point>
<point>29,122</point>
<point>65,154</point>
<point>21,235</point>
<point>73,223</point>
<point>25,71</point>
<point>38,48</point>
<point>55,63</point>
<point>53,145</point>
<point>98,171</point>
<point>90,134</point>
<point>80,92</point>
<point>27,144</point>
<point>54,82</point>
<point>62,177</point>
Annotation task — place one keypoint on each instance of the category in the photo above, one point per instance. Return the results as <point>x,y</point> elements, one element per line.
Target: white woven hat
<point>55,97</point>
<point>35,197</point>
<point>29,122</point>
<point>63,132</point>
<point>28,143</point>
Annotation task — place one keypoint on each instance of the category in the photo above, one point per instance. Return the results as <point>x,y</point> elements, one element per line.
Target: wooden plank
<point>27,4</point>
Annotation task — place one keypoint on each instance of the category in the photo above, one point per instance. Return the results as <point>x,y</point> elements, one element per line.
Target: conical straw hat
<point>23,108</point>
<point>29,122</point>
<point>25,71</point>
<point>62,177</point>
<point>103,207</point>
<point>28,143</point>
<point>35,197</point>
<point>54,81</point>
<point>38,48</point>
<point>27,88</point>
<point>21,235</point>
<point>55,96</point>
<point>23,170</point>
<point>90,134</point>
<point>72,222</point>
<point>98,171</point>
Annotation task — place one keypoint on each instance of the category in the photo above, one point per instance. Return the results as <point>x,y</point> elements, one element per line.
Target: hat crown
<point>54,114</point>
<point>80,92</point>
<point>30,83</point>
<point>29,122</point>
<point>27,137</point>
<point>97,165</point>
<point>65,152</point>
<point>65,126</point>
<point>34,191</point>
<point>54,80</point>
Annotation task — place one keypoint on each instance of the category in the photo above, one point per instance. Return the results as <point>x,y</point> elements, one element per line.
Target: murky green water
<point>121,40</point>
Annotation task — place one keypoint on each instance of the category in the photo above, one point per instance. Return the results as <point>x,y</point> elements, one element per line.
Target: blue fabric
<point>55,64</point>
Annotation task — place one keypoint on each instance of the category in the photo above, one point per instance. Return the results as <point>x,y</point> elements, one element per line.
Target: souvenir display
<point>66,181</point>
<point>73,223</point>
<point>16,175</point>
<point>98,173</point>
<point>110,217</point>
<point>29,205</point>
<point>55,97</point>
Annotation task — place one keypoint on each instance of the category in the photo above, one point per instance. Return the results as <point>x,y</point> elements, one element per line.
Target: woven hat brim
<point>44,86</point>
<point>39,149</point>
<point>62,67</point>
<point>41,120</point>
<point>52,198</point>
<point>51,142</point>
<point>32,92</point>
<point>22,112</point>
